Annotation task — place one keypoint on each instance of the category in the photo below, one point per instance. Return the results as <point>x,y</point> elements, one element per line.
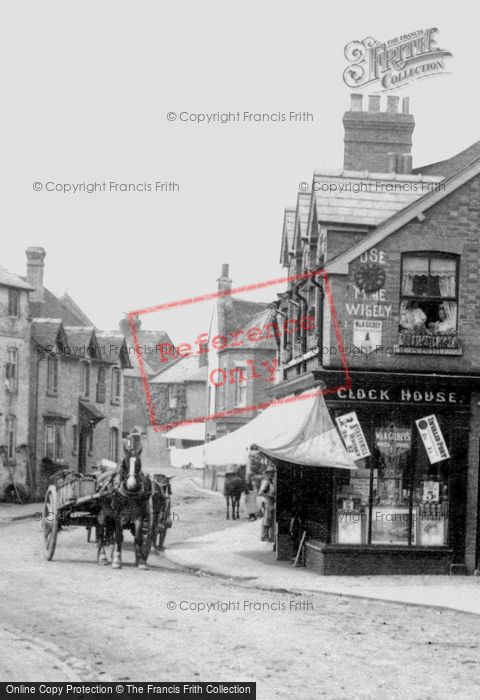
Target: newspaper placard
<point>352,434</point>
<point>433,439</point>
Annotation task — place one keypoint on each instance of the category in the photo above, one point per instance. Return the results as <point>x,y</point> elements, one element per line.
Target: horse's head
<point>131,470</point>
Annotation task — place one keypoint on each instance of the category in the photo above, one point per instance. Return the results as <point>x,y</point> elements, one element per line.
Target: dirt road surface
<point>70,619</point>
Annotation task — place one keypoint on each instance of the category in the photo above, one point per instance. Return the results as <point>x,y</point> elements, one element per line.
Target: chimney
<point>372,135</point>
<point>224,282</point>
<point>35,270</point>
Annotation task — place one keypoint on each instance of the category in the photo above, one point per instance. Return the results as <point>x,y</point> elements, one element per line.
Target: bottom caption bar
<point>129,690</point>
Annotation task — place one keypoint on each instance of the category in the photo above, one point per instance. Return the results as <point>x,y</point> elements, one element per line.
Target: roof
<point>339,265</point>
<point>184,369</point>
<point>81,340</point>
<point>287,234</point>
<point>10,279</point>
<point>262,319</point>
<point>63,308</point>
<point>113,348</point>
<point>364,198</point>
<point>452,165</point>
<point>236,314</point>
<point>148,342</point>
<point>47,333</point>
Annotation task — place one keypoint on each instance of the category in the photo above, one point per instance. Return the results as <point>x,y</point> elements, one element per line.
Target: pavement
<point>238,554</point>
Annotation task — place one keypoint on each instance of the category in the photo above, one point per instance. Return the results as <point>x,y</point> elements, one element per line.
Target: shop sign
<point>433,439</point>
<point>353,436</point>
<point>367,335</point>
<point>401,394</point>
<point>393,440</point>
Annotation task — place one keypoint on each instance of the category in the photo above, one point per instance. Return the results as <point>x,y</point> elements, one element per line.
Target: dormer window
<point>429,301</point>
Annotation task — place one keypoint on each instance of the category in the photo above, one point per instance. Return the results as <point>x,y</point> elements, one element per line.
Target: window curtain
<point>451,312</point>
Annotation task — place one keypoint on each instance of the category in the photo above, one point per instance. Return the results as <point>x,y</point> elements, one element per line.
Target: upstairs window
<point>52,375</point>
<point>14,303</point>
<point>116,385</point>
<point>172,396</point>
<point>11,370</point>
<point>429,300</point>
<point>85,379</point>
<point>238,374</point>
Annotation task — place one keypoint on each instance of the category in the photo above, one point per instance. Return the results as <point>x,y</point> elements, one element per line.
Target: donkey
<point>125,504</point>
<point>233,488</point>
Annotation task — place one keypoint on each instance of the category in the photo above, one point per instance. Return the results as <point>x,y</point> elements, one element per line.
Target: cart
<point>72,499</point>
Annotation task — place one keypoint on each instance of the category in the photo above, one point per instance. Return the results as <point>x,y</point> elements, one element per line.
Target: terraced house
<point>395,346</point>
<point>76,384</point>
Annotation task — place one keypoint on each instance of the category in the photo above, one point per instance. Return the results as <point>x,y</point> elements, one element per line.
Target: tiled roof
<point>45,332</point>
<point>147,343</point>
<point>67,301</point>
<point>263,318</point>
<point>10,279</point>
<point>236,314</point>
<point>80,339</point>
<point>185,369</point>
<point>53,307</point>
<point>113,348</point>
<point>379,195</point>
<point>453,165</point>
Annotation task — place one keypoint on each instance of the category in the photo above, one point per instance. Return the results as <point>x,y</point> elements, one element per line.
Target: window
<point>172,396</point>
<point>116,385</point>
<point>429,301</point>
<point>74,439</point>
<point>90,441</point>
<point>55,442</point>
<point>101,388</point>
<point>396,496</point>
<point>237,375</point>
<point>14,303</point>
<point>113,445</point>
<point>171,442</point>
<point>85,379</point>
<point>11,435</point>
<point>52,375</point>
<point>11,370</point>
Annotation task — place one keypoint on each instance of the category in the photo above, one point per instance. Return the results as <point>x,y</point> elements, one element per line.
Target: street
<point>70,619</point>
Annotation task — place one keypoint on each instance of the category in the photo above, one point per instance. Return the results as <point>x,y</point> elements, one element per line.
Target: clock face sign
<point>370,277</point>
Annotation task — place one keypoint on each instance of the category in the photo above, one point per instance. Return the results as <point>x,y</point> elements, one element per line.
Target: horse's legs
<point>117,551</point>
<point>237,499</point>
<point>101,537</point>
<point>139,554</point>
<point>227,498</point>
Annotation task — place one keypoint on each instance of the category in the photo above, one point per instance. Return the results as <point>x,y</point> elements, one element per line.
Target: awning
<point>297,430</point>
<point>194,431</point>
<point>88,413</point>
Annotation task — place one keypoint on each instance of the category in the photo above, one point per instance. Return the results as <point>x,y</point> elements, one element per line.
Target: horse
<point>160,503</point>
<point>233,488</point>
<point>125,503</point>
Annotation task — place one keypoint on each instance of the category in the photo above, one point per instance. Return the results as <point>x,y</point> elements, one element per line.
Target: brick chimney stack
<point>35,271</point>
<point>224,282</point>
<point>375,140</point>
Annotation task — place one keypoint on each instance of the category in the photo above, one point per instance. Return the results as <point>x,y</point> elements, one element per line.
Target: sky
<point>86,94</point>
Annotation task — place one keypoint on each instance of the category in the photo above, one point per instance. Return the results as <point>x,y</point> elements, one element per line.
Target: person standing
<point>268,492</point>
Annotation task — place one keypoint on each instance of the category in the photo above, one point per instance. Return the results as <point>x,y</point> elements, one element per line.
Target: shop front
<point>411,505</point>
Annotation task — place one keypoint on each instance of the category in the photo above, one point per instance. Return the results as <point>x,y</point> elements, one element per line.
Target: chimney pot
<point>406,159</point>
<point>224,282</point>
<point>374,103</point>
<point>224,270</point>
<point>392,104</point>
<point>406,105</point>
<point>35,271</point>
<point>393,162</point>
<point>356,102</point>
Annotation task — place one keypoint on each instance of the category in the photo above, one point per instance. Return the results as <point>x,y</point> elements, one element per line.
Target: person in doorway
<point>268,492</point>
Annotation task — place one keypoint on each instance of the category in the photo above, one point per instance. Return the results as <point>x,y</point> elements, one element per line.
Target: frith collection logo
<point>394,63</point>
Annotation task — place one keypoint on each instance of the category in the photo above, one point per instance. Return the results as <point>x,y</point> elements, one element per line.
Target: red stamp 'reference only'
<point>203,343</point>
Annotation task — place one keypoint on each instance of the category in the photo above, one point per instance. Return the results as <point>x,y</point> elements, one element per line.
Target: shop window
<point>11,370</point>
<point>113,445</point>
<point>13,303</point>
<point>116,385</point>
<point>11,435</point>
<point>429,301</point>
<point>55,442</point>
<point>85,379</point>
<point>396,497</point>
<point>52,375</point>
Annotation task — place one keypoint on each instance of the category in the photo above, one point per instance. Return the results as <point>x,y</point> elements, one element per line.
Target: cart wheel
<point>50,522</point>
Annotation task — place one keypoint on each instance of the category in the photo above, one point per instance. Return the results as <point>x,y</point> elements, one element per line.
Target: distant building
<point>15,373</point>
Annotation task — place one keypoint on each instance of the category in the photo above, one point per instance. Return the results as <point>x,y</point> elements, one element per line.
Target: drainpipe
<point>320,314</point>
